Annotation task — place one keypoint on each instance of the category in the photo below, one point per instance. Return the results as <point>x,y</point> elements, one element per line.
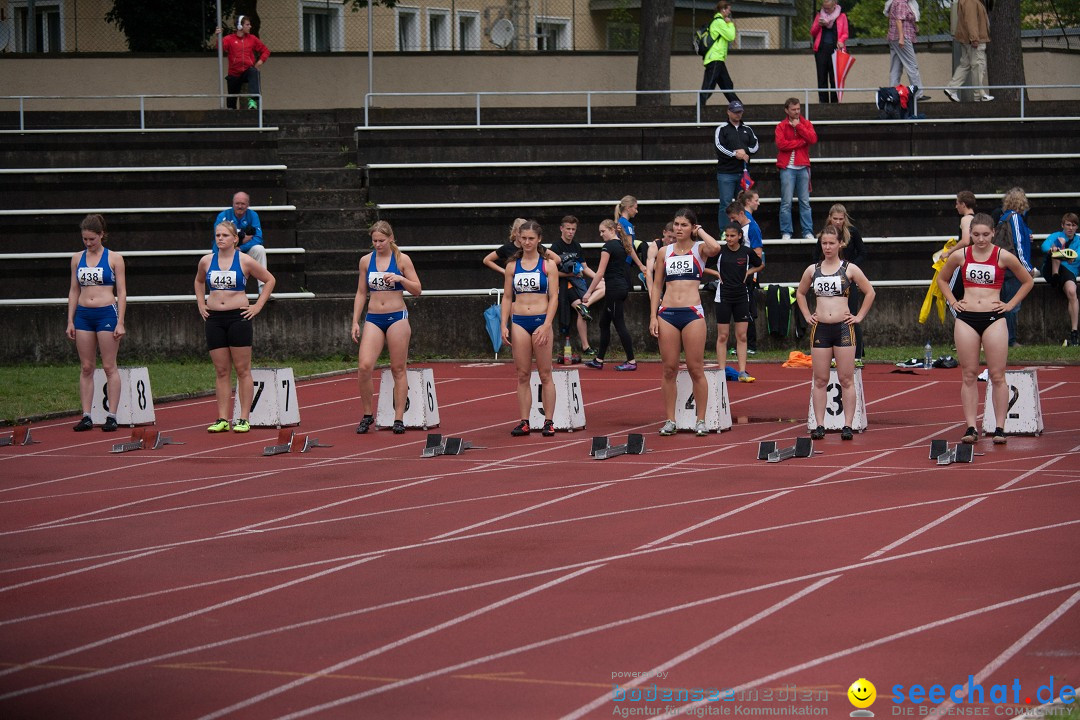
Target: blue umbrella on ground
<point>493,323</point>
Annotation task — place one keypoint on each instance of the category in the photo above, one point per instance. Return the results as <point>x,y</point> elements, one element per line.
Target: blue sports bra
<point>231,279</point>
<point>530,281</point>
<point>93,276</point>
<point>376,279</point>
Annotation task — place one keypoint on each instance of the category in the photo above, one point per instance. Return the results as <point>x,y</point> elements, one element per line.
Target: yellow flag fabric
<point>934,293</point>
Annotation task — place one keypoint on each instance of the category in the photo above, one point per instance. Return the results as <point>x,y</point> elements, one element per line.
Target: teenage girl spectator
<point>625,211</point>
<point>1013,235</point>
<point>509,249</point>
<point>751,233</point>
<point>529,304</point>
<point>1063,273</point>
<point>735,265</point>
<point>228,317</point>
<point>97,302</point>
<point>384,276</point>
<point>829,32</point>
<point>722,32</point>
<point>612,269</point>
<point>853,250</point>
<point>677,319</point>
<point>903,18</point>
<point>983,266</point>
<point>830,335</point>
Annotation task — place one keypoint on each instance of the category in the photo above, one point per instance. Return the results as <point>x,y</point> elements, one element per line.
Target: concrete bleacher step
<point>320,178</point>
<point>329,198</point>
<point>337,238</point>
<point>316,159</point>
<point>334,218</point>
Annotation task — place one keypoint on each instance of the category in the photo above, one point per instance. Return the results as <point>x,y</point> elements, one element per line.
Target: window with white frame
<point>468,30</point>
<point>322,26</point>
<point>46,27</point>
<point>408,28</point>
<point>753,39</point>
<point>552,33</point>
<point>438,29</point>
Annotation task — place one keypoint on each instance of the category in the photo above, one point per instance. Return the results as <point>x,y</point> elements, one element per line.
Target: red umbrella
<point>841,62</point>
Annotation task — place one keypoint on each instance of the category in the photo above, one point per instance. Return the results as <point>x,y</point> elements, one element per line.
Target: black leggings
<point>613,311</point>
<point>825,79</point>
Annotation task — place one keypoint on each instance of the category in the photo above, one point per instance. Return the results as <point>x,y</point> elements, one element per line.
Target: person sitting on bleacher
<point>247,225</point>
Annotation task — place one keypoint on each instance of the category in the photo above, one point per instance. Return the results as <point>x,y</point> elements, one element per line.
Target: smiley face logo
<point>862,693</point>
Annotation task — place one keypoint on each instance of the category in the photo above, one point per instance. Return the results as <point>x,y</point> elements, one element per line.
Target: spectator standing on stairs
<point>246,54</point>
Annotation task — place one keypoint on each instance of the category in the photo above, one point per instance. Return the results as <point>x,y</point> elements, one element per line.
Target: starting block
<point>767,450</point>
<point>20,435</point>
<point>436,446</point>
<point>143,438</point>
<point>288,440</point>
<point>602,450</point>
<point>944,455</point>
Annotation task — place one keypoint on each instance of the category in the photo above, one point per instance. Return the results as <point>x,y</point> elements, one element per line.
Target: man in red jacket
<point>246,55</point>
<point>794,136</point>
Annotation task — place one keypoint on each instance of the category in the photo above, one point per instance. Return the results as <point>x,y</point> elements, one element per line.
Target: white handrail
<point>144,253</point>
<point>142,98</point>
<point>143,210</point>
<point>144,169</point>
<point>151,298</point>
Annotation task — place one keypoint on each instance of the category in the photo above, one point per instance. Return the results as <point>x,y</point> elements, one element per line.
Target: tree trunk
<point>654,51</point>
<point>1004,59</point>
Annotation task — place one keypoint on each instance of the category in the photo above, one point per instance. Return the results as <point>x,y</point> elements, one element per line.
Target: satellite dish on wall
<point>7,34</point>
<point>502,33</point>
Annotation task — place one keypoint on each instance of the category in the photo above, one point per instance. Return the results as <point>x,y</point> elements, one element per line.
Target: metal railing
<point>806,94</point>
<point>22,99</point>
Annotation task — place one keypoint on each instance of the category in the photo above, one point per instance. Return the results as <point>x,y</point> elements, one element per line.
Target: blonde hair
<point>228,225</point>
<point>845,232</point>
<point>626,202</point>
<point>381,226</point>
<point>515,227</point>
<point>1015,199</point>
<point>619,233</point>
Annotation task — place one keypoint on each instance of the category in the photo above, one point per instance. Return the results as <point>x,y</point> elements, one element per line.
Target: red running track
<point>525,579</point>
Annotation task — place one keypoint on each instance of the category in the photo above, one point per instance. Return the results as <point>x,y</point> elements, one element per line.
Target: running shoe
<point>222,425</point>
<point>110,424</point>
<point>83,425</point>
<point>588,352</point>
<point>818,433</point>
<point>241,426</point>
<point>809,236</point>
<point>751,351</point>
<point>745,377</point>
<point>626,367</point>
<point>731,352</point>
<point>971,436</point>
<point>252,105</point>
<point>399,427</point>
<point>847,433</point>
<point>951,94</point>
<point>522,428</point>
<point>910,363</point>
<point>999,436</point>
<point>549,429</point>
<point>668,428</point>
<point>699,428</point>
<point>858,362</point>
<point>595,364</point>
<point>583,312</point>
<point>365,423</point>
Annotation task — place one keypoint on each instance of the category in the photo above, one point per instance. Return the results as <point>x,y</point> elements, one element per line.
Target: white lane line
<point>698,649</point>
<point>890,638</point>
<point>337,667</point>
<point>81,570</point>
<point>1010,651</point>
<point>522,511</point>
<point>161,623</point>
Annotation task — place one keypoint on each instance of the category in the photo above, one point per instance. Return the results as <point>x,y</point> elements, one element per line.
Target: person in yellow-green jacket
<point>722,32</point>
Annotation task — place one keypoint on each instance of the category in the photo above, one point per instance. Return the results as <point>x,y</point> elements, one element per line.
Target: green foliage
<point>179,26</point>
<point>358,5</point>
<point>866,19</point>
<point>1040,14</point>
<point>625,32</point>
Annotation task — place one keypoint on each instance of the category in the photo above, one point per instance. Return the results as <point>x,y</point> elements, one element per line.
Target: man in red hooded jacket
<point>246,55</point>
<point>794,136</point>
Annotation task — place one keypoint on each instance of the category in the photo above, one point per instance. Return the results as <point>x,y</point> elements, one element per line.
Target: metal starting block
<point>959,453</point>
<point>288,440</point>
<point>602,450</point>
<point>143,438</point>
<point>20,435</point>
<point>436,446</point>
<point>767,450</point>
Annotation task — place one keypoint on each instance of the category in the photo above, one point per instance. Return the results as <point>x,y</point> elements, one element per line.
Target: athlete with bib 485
<point>228,316</point>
